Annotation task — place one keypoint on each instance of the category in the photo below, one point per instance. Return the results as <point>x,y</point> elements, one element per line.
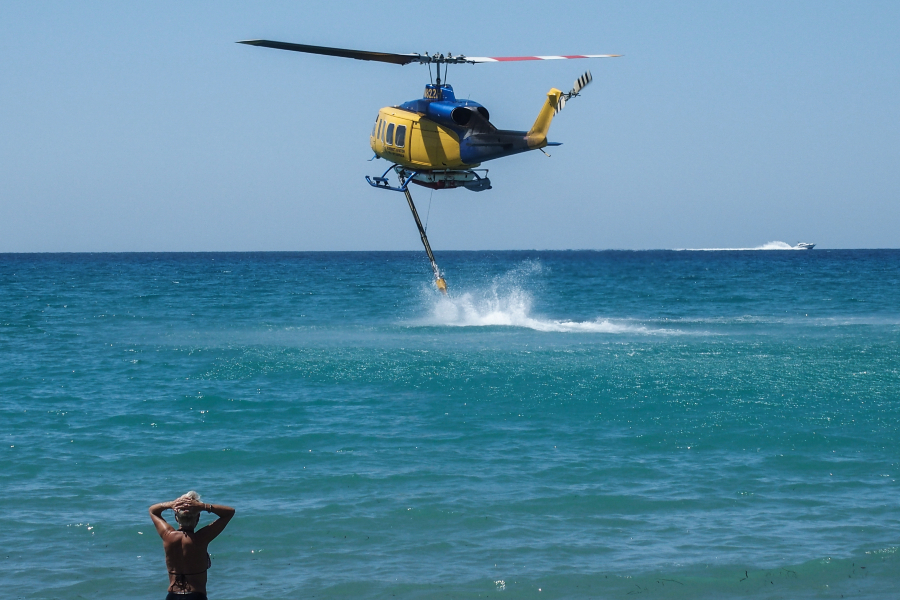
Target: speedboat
<point>804,246</point>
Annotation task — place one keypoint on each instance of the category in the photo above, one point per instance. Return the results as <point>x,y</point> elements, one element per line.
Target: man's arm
<point>156,511</point>
<point>212,531</point>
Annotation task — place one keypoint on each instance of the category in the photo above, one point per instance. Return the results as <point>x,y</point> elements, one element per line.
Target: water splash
<point>506,303</point>
<point>512,309</point>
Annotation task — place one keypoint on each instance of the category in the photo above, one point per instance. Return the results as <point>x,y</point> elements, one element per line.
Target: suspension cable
<point>428,214</point>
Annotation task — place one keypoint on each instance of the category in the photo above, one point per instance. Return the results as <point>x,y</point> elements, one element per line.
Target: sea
<point>567,424</point>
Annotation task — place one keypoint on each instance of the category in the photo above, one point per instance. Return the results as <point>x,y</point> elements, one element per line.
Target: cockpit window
<point>390,134</point>
<point>375,127</point>
<point>401,136</point>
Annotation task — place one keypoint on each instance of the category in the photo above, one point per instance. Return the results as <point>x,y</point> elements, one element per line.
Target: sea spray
<point>505,301</point>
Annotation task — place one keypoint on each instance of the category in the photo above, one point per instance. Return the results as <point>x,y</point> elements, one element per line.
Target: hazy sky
<point>142,126</point>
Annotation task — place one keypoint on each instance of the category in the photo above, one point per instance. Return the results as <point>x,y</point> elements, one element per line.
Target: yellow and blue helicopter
<point>438,141</point>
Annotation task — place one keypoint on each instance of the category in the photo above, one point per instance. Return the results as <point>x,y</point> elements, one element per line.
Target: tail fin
<point>537,135</point>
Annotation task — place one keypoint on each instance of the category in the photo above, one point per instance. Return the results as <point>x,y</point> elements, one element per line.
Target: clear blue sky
<point>128,126</point>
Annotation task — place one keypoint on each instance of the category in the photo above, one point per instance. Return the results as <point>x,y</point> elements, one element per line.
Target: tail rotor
<point>580,84</point>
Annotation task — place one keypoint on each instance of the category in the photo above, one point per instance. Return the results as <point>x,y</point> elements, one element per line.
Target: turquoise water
<point>566,425</point>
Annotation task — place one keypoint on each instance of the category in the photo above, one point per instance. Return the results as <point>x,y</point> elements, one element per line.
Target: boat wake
<point>766,246</point>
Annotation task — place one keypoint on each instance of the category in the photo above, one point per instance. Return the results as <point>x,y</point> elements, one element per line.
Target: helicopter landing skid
<point>383,183</point>
<point>435,179</point>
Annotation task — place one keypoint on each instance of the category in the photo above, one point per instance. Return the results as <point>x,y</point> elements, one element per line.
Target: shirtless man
<point>187,559</point>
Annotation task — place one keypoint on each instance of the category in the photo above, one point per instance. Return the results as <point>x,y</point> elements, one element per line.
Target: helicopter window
<point>390,135</point>
<point>401,136</point>
<point>375,127</point>
<point>380,130</point>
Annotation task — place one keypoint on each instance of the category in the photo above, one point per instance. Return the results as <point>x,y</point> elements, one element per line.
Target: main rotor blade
<point>486,59</point>
<point>405,59</point>
<point>397,59</point>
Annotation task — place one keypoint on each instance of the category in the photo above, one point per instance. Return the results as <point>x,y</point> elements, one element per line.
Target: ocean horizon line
<point>443,250</point>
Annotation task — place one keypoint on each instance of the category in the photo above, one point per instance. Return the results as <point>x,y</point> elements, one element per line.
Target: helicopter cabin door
<point>391,137</point>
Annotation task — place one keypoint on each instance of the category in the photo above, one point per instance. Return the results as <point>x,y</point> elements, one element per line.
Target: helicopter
<point>438,141</point>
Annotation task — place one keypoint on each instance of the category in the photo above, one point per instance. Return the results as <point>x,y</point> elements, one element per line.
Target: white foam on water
<point>766,246</point>
<point>512,309</point>
<point>505,303</point>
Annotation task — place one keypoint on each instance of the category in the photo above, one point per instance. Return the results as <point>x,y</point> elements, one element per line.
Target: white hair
<point>187,517</point>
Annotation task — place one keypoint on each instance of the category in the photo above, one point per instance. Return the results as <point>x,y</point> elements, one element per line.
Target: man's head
<point>185,514</point>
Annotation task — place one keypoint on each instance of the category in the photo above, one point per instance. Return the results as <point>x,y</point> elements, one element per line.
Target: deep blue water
<point>566,425</point>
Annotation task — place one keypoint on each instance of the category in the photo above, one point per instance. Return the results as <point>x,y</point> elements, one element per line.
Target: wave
<point>766,246</point>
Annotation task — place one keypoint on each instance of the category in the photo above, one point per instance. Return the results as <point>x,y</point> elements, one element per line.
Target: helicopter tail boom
<point>537,135</point>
